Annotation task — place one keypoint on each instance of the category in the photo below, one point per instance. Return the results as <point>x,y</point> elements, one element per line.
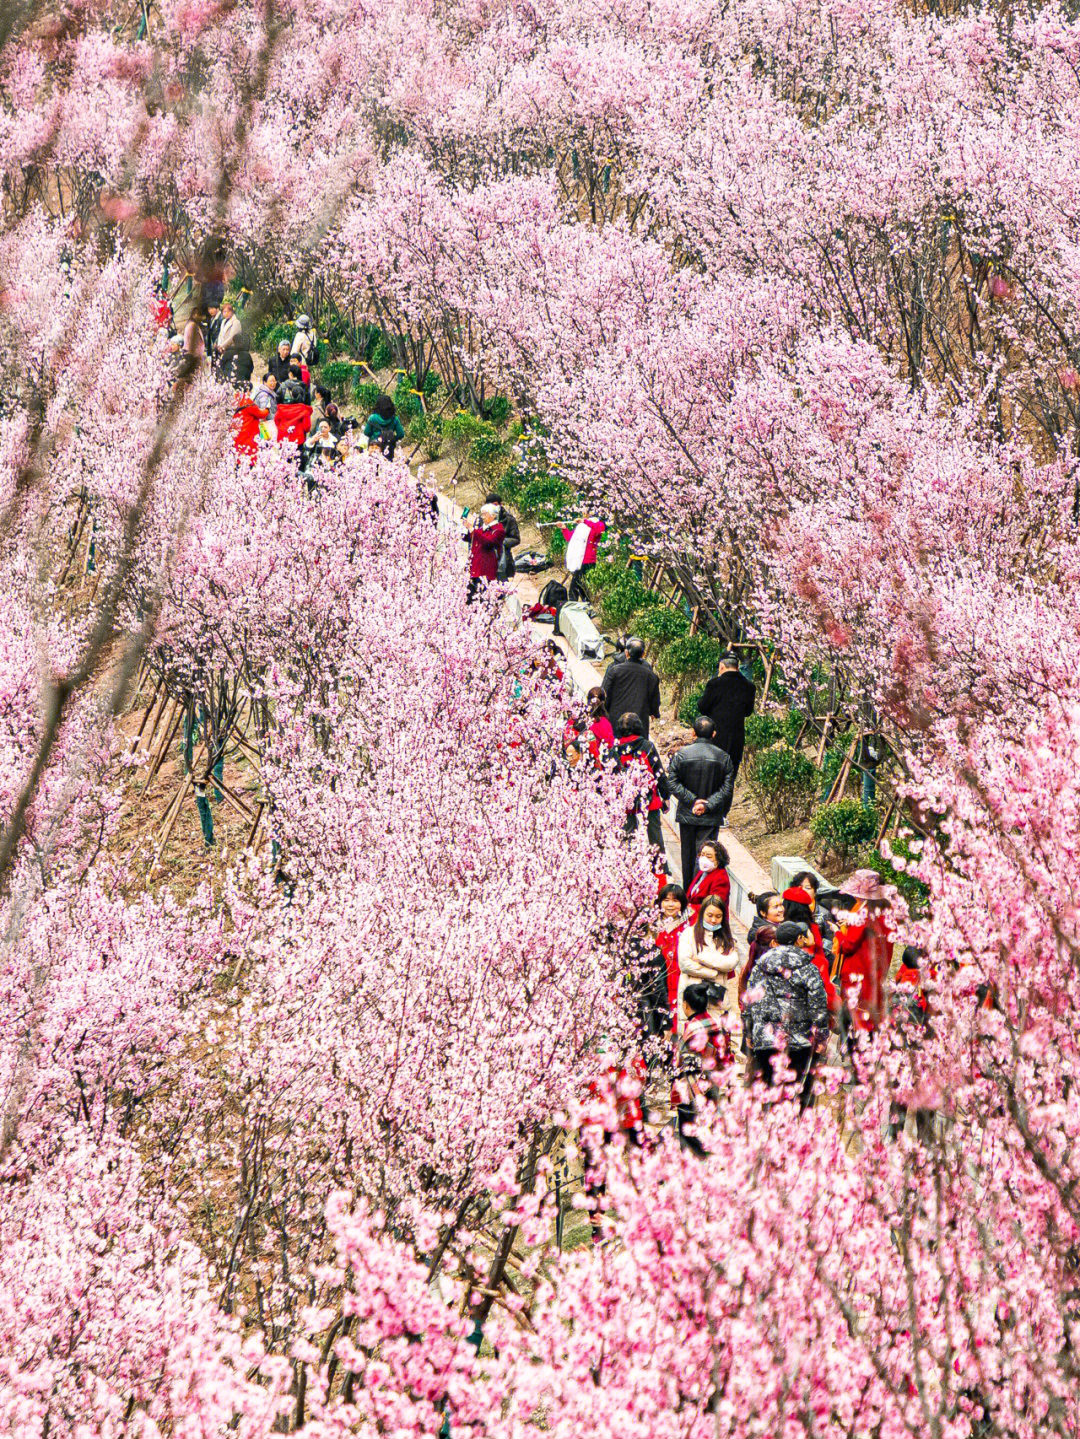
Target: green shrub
<point>782,782</point>
<point>460,429</point>
<point>793,723</point>
<point>337,374</point>
<point>662,625</point>
<point>382,355</point>
<point>605,574</point>
<point>762,731</point>
<point>499,409</point>
<point>408,403</point>
<point>366,393</point>
<point>426,431</point>
<point>487,446</point>
<point>688,705</point>
<point>269,336</point>
<point>692,655</point>
<point>556,545</point>
<point>913,890</point>
<point>843,829</point>
<point>431,386</point>
<point>545,498</point>
<point>624,598</point>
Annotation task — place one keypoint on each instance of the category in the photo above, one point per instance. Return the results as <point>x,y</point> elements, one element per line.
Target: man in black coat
<point>631,685</point>
<point>727,700</point>
<point>702,779</point>
<point>279,365</point>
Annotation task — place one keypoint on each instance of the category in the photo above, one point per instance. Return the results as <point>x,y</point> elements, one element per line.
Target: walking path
<point>746,874</point>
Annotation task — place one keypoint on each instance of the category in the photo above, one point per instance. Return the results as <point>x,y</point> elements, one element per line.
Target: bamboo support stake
<point>170,732</point>
<point>770,665</point>
<point>171,825</point>
<point>258,820</point>
<point>153,700</point>
<point>839,784</point>
<point>242,808</point>
<point>826,727</point>
<point>164,693</point>
<point>885,823</point>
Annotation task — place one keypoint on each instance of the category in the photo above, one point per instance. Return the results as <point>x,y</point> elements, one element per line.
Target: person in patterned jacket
<point>788,1008</point>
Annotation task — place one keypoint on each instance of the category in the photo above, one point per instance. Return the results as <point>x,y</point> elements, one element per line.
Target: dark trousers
<point>801,1061</point>
<point>577,590</point>
<point>691,838</point>
<point>653,828</point>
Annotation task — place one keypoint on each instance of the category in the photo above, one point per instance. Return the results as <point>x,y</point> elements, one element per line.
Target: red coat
<point>667,942</point>
<point>703,884</point>
<point>246,419</point>
<point>293,422</point>
<point>603,737</point>
<point>865,954</point>
<point>596,529</point>
<point>485,547</point>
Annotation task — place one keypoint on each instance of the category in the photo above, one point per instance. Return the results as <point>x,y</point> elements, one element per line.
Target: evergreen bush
<point>337,374</point>
<point>763,731</point>
<point>366,393</point>
<point>460,429</point>
<point>662,625</point>
<point>688,705</point>
<point>624,597</point>
<point>782,782</point>
<point>269,335</point>
<point>793,723</point>
<point>545,498</point>
<point>382,355</point>
<point>843,829</point>
<point>913,890</point>
<point>692,655</point>
<point>426,431</point>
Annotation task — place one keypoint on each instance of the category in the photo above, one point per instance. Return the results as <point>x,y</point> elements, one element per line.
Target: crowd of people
<point>283,401</point>
<point>817,963</point>
<point>806,974</point>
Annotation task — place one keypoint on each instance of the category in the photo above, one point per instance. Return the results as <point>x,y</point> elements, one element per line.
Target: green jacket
<point>376,424</point>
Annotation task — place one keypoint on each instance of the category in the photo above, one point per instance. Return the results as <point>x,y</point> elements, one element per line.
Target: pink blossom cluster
<point>793,291</point>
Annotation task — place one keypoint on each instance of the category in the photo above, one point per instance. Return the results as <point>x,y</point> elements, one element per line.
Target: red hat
<point>798,895</point>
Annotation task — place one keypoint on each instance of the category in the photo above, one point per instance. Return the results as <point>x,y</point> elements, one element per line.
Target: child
<point>703,1052</point>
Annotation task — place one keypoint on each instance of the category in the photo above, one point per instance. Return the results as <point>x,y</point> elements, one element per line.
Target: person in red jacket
<point>864,948</point>
<point>634,753</point>
<point>293,422</point>
<point>246,420</point>
<point>710,876</point>
<point>601,734</point>
<point>799,907</point>
<point>485,546</point>
<point>673,920</point>
<point>593,530</point>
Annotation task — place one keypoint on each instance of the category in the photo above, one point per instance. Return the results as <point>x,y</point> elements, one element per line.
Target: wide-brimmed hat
<point>863,884</point>
<point>303,322</point>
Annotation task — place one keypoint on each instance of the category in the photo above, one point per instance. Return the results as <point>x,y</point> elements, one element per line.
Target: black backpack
<point>554,595</point>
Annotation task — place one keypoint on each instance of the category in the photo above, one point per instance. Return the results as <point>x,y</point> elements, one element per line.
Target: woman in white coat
<point>707,955</point>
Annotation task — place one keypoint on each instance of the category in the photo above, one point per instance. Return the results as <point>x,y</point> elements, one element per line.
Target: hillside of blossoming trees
<point>791,289</point>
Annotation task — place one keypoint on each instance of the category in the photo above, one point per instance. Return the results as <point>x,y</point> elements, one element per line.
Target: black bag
<point>386,439</point>
<point>554,594</point>
<point>531,563</point>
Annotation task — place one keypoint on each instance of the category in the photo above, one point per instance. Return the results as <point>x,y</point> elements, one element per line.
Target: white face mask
<point>705,864</point>
<point>711,928</point>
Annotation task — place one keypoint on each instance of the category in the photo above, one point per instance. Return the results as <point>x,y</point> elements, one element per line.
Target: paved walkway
<point>747,876</point>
